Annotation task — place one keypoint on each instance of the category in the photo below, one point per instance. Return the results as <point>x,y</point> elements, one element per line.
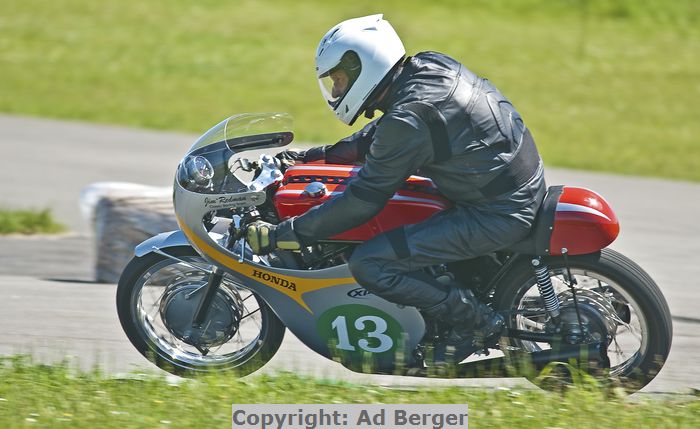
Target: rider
<point>439,120</point>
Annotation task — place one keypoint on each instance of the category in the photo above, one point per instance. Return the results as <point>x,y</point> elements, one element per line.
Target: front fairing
<point>214,182</point>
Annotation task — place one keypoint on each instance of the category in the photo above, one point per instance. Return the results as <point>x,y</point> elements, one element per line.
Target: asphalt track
<point>50,308</point>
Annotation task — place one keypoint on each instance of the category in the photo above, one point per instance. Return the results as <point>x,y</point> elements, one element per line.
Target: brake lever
<point>246,165</point>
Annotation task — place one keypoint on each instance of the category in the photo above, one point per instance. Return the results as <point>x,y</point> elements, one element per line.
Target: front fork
<point>209,293</point>
<point>217,274</point>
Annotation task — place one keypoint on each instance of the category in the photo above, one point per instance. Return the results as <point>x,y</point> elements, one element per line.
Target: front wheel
<point>157,298</point>
<point>617,300</point>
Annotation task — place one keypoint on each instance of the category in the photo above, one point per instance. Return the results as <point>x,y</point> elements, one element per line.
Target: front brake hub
<point>178,308</point>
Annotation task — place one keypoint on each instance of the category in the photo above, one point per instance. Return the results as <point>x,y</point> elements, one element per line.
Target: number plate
<point>355,332</point>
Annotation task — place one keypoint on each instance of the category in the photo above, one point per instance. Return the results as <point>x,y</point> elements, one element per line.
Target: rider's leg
<point>390,265</point>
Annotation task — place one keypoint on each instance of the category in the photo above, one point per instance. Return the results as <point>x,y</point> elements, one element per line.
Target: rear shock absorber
<point>544,284</point>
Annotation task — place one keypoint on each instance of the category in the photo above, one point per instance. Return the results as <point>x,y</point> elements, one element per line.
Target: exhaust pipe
<point>588,356</point>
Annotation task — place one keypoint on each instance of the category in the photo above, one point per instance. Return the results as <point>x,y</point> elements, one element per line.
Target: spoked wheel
<point>157,299</point>
<point>619,304</point>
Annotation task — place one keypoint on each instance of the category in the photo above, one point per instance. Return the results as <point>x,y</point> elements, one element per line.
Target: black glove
<point>290,157</point>
<point>265,237</point>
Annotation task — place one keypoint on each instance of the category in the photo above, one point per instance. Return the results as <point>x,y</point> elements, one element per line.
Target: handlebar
<point>267,171</point>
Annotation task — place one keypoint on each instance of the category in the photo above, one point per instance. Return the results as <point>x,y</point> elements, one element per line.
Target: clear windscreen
<point>216,162</point>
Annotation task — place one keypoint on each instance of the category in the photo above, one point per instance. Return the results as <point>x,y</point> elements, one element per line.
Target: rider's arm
<point>350,150</point>
<point>400,146</point>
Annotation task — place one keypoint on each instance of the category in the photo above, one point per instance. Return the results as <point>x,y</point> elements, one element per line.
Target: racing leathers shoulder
<point>491,160</point>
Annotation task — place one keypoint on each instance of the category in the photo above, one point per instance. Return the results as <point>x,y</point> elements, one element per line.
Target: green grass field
<point>608,85</point>
<point>36,396</point>
<point>28,222</point>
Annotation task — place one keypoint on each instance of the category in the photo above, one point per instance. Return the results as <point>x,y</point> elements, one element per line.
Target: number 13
<point>380,327</point>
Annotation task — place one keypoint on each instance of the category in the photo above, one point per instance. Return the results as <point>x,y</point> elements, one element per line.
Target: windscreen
<point>213,165</point>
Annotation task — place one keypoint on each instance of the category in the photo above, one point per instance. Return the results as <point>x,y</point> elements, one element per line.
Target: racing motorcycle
<point>198,300</point>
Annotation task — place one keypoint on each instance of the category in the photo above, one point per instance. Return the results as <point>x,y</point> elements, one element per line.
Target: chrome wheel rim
<point>147,299</point>
<point>629,339</point>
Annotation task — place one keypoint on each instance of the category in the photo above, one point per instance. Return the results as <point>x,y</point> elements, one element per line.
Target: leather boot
<point>473,324</point>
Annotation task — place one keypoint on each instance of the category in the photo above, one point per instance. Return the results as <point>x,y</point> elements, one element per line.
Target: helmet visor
<point>336,83</point>
<point>334,86</point>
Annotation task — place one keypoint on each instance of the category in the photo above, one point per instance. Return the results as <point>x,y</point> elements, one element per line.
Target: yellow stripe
<point>302,284</point>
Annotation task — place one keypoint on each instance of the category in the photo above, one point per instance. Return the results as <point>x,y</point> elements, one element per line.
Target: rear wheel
<point>617,300</point>
<point>157,298</point>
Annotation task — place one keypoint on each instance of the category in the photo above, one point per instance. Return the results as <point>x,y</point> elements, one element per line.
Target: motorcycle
<point>197,300</point>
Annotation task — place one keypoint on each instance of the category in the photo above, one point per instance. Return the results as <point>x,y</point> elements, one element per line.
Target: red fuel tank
<point>416,201</point>
<point>583,223</point>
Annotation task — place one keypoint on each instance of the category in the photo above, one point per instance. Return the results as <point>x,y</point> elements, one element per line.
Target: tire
<point>142,318</point>
<point>620,281</point>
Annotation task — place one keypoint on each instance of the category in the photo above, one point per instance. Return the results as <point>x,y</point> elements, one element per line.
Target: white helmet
<point>366,49</point>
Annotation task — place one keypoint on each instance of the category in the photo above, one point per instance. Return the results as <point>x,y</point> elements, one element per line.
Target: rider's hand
<point>288,158</point>
<point>265,237</point>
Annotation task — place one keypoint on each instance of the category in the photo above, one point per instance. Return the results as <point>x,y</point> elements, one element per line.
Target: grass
<point>28,222</point>
<point>610,85</point>
<point>36,396</point>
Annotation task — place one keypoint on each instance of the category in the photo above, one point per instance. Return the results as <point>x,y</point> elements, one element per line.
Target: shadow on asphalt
<point>72,281</point>
<point>685,319</point>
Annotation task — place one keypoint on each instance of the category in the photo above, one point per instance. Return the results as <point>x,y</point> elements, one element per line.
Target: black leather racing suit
<point>465,136</point>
